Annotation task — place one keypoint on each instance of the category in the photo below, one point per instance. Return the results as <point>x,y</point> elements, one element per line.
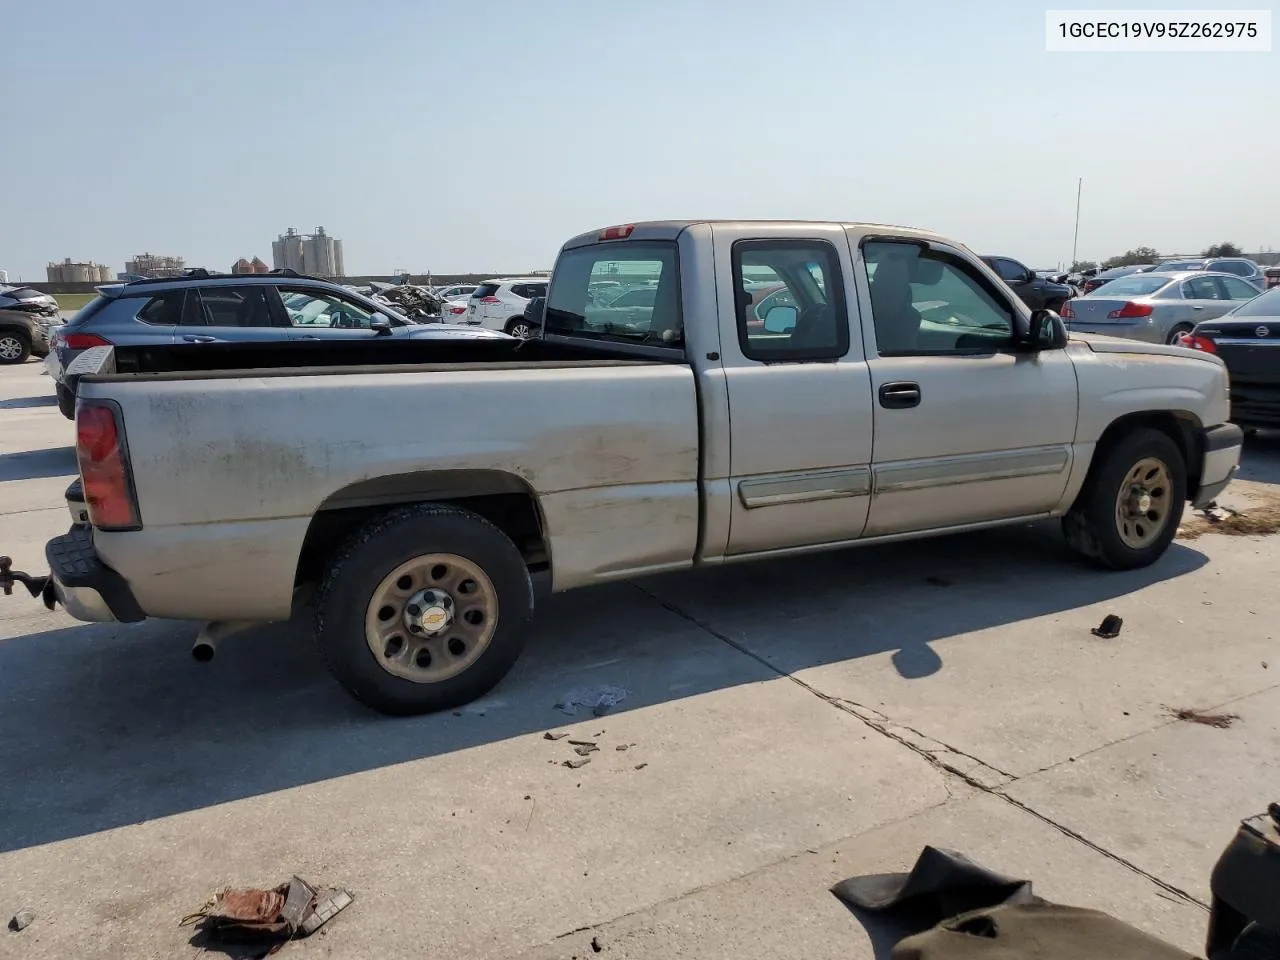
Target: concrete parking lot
<point>786,725</point>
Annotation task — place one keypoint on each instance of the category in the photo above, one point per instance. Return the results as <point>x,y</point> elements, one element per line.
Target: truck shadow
<point>38,464</point>
<point>108,725</point>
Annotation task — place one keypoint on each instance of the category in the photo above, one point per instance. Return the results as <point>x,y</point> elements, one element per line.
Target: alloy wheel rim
<point>431,618</point>
<point>1144,503</point>
<point>10,348</point>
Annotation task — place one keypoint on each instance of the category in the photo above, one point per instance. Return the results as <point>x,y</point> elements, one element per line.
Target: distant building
<point>78,271</point>
<point>317,254</point>
<point>155,265</point>
<point>250,266</point>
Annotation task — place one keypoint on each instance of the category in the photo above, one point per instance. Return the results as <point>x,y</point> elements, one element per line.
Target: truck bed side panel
<point>230,471</point>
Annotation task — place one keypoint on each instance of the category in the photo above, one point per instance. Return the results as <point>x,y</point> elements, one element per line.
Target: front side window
<point>312,308</point>
<point>928,302</point>
<point>578,307</point>
<point>801,316</point>
<point>1238,289</point>
<point>229,307</point>
<point>1010,271</point>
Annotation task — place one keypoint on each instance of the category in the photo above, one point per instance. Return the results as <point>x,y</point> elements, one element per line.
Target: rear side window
<point>230,307</point>
<point>1203,288</point>
<point>1238,267</point>
<point>575,310</point>
<point>485,290</point>
<point>790,303</point>
<point>164,310</point>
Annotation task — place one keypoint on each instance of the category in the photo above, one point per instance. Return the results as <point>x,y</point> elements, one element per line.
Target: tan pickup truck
<point>763,389</point>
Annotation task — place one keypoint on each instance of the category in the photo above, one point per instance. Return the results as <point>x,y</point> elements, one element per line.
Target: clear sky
<point>478,136</point>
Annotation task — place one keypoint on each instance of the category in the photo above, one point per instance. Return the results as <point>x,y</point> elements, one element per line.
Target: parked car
<point>499,304</point>
<point>918,398</point>
<point>1157,307</point>
<point>533,313</point>
<point>1272,277</point>
<point>28,321</point>
<point>204,308</point>
<point>456,291</point>
<point>1092,283</point>
<point>1248,341</point>
<point>1038,293</point>
<point>1238,266</point>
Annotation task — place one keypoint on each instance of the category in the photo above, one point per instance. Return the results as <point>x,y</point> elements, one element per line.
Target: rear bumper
<point>1222,446</point>
<point>87,587</point>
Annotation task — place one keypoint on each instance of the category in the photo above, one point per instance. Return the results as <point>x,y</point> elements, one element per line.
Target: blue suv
<point>201,307</point>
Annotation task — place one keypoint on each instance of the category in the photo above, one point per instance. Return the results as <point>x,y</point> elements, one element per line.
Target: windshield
<point>1266,305</point>
<point>646,311</point>
<point>1135,285</point>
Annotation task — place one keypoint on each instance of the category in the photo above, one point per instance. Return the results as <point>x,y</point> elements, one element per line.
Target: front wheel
<point>14,347</point>
<point>425,608</point>
<point>519,328</point>
<point>1132,501</point>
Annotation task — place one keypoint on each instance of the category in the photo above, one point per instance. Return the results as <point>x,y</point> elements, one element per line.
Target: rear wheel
<point>424,609</point>
<point>15,346</point>
<point>519,328</point>
<point>1132,501</point>
<point>66,402</point>
<point>1178,331</point>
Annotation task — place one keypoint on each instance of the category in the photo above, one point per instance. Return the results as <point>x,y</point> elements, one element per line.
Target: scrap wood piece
<point>1219,720</point>
<point>278,915</point>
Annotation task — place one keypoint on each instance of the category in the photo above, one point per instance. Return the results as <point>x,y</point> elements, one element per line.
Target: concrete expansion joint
<point>976,773</point>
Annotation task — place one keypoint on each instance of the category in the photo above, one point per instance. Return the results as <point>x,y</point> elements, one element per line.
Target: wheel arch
<point>504,499</point>
<point>1181,426</point>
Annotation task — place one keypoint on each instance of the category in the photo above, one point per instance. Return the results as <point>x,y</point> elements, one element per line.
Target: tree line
<point>1150,255</point>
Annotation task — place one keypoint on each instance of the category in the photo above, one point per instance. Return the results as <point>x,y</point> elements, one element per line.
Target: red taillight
<point>83,341</point>
<point>456,310</point>
<point>1067,313</point>
<point>617,233</point>
<point>1130,311</point>
<point>108,493</point>
<point>1195,342</point>
<point>490,300</point>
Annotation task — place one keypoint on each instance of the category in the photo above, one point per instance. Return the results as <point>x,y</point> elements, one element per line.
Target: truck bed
<point>351,356</point>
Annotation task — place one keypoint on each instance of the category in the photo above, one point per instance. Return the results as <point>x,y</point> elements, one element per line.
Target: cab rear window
<point>626,291</point>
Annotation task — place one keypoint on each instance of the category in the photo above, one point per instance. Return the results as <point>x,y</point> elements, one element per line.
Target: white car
<point>456,291</point>
<point>456,310</point>
<point>499,304</point>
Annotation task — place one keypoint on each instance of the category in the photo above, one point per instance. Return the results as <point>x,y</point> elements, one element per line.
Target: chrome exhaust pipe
<point>206,645</point>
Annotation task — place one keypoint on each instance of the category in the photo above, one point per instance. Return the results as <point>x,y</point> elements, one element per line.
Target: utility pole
<point>1076,236</point>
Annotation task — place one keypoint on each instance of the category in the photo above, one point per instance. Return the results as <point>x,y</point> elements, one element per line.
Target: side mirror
<point>380,325</point>
<point>536,311</point>
<point>1046,331</point>
<point>780,319</point>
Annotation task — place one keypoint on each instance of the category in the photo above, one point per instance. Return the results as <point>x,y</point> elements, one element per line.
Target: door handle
<point>308,336</point>
<point>196,338</point>
<point>1197,308</point>
<point>900,395</point>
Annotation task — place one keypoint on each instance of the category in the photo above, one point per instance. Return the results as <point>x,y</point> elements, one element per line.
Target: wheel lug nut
<point>414,628</point>
<point>413,609</point>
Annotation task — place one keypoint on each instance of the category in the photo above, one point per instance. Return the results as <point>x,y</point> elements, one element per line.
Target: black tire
<point>1055,306</point>
<point>15,346</point>
<point>360,565</point>
<point>66,402</point>
<point>516,323</point>
<point>1091,526</point>
<point>1178,331</point>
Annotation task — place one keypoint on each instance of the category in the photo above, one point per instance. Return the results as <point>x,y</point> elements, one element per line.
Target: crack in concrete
<point>922,744</point>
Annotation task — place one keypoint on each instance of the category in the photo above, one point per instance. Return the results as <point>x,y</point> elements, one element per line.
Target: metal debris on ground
<point>577,762</point>
<point>641,766</point>
<point>273,917</point>
<point>1109,629</point>
<point>22,919</point>
<point>599,700</point>
<point>554,736</point>
<point>1219,720</point>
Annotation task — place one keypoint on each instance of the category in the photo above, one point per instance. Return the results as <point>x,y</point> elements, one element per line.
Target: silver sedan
<point>1156,307</point>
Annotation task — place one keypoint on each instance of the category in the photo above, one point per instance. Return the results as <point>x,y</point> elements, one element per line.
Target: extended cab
<point>899,389</point>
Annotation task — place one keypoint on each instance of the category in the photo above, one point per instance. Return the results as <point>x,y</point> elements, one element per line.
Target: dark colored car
<point>1248,341</point>
<point>1036,292</point>
<point>1115,273</point>
<point>28,319</point>
<point>533,311</point>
